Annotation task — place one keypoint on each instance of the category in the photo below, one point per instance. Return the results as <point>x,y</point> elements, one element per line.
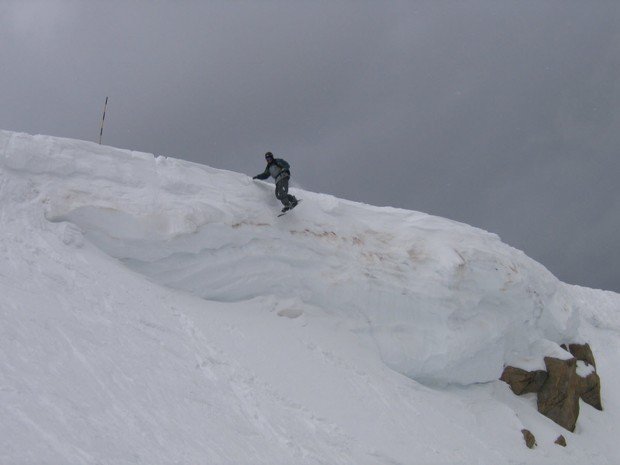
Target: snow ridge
<point>167,297</point>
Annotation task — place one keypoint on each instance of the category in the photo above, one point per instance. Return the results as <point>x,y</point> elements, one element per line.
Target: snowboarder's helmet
<point>268,155</point>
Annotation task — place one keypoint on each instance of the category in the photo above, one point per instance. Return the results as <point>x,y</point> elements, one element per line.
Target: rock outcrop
<point>590,390</point>
<point>561,385</point>
<point>560,441</point>
<point>590,386</point>
<point>581,352</point>
<point>558,398</point>
<point>522,381</point>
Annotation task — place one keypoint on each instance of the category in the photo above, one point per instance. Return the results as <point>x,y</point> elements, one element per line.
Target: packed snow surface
<point>154,310</point>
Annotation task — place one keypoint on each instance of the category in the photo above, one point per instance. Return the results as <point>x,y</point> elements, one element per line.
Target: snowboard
<point>286,210</point>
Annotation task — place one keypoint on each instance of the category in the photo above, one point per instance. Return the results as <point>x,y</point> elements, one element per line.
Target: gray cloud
<point>503,115</point>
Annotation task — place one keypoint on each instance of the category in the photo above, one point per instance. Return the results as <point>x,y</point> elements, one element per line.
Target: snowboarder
<point>279,169</point>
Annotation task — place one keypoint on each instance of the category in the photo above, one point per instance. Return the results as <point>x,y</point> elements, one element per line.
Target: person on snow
<point>279,170</point>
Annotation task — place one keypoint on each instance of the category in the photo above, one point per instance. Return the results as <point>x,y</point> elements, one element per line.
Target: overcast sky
<point>501,114</point>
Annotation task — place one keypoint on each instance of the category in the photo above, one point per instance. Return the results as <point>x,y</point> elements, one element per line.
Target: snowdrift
<point>157,310</point>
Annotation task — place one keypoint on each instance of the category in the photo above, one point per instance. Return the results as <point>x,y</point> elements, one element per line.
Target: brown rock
<point>521,381</point>
<point>560,441</point>
<point>590,390</point>
<point>558,398</point>
<point>581,352</point>
<point>590,386</point>
<point>559,388</point>
<point>530,440</point>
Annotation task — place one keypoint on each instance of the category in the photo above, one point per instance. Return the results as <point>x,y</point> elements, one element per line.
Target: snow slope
<point>157,311</point>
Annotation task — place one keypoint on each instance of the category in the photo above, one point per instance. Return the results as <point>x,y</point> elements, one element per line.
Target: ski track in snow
<point>156,311</point>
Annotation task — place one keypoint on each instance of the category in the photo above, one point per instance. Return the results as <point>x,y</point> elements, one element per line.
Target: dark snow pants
<point>282,192</point>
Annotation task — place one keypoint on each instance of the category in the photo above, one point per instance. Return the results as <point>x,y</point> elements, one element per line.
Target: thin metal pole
<point>105,106</point>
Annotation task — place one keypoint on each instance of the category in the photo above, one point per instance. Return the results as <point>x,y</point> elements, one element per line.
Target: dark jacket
<point>277,169</point>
